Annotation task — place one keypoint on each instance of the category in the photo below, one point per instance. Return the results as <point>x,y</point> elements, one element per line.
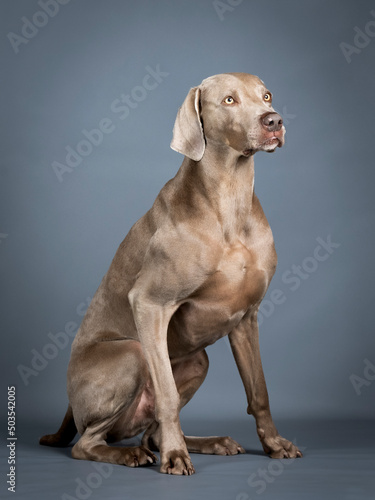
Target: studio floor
<point>338,463</point>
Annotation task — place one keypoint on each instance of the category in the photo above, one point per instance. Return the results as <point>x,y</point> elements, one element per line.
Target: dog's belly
<point>219,305</point>
<point>136,419</point>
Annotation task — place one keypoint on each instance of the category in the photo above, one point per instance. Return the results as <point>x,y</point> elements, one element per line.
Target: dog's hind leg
<point>93,446</point>
<point>106,382</point>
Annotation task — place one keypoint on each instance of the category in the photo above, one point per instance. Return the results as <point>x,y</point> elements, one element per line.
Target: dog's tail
<point>64,435</point>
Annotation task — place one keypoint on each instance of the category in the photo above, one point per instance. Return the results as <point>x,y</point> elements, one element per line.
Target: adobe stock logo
<point>59,341</point>
<point>266,475</point>
<point>361,39</point>
<point>85,487</point>
<point>121,108</point>
<point>222,7</point>
<point>30,28</point>
<point>368,377</point>
<point>296,275</point>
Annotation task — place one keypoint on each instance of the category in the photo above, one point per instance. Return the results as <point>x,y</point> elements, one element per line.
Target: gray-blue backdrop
<point>66,204</point>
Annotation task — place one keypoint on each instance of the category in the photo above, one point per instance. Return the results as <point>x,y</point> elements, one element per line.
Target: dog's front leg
<point>152,324</point>
<point>244,340</point>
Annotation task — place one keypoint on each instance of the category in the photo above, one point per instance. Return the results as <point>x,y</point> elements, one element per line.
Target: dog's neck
<point>226,180</point>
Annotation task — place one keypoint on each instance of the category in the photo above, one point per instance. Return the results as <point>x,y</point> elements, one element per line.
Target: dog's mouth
<point>272,140</point>
<point>265,141</point>
<point>270,144</point>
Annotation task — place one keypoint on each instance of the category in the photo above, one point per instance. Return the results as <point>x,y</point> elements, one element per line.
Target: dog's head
<point>233,110</point>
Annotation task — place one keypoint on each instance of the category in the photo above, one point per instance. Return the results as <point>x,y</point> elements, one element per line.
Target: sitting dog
<point>193,269</point>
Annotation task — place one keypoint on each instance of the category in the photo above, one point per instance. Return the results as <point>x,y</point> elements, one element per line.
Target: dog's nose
<point>272,122</point>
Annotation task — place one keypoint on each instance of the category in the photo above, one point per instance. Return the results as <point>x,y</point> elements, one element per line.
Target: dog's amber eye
<point>267,97</point>
<point>229,100</point>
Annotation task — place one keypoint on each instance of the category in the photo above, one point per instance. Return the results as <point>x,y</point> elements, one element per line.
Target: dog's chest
<point>239,282</point>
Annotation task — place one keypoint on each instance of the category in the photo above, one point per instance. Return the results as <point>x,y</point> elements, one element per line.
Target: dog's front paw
<point>279,447</point>
<point>176,462</point>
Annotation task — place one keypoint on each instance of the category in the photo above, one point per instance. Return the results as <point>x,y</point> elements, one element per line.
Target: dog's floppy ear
<point>188,138</point>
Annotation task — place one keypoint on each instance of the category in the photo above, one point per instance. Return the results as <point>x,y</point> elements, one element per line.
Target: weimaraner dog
<point>193,269</point>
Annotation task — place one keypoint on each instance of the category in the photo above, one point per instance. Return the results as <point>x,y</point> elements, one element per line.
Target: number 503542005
<point>11,410</point>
